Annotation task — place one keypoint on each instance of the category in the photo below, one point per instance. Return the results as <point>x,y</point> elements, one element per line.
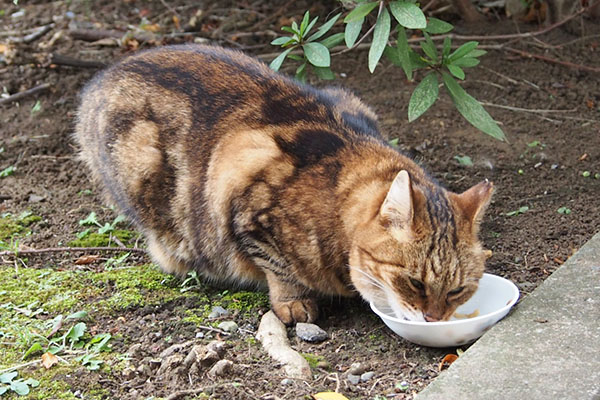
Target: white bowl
<point>493,299</point>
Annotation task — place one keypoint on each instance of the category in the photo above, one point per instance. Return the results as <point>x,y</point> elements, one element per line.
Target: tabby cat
<point>245,175</point>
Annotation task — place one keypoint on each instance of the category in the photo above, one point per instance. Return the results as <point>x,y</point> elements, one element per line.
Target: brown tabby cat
<point>242,174</point>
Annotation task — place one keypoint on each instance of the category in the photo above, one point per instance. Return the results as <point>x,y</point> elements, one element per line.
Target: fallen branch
<point>273,336</point>
<point>529,110</point>
<point>70,250</point>
<point>25,93</point>
<point>59,59</point>
<point>35,33</point>
<point>553,60</point>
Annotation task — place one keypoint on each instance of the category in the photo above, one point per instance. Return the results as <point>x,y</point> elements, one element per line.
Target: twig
<point>25,93</point>
<point>15,367</point>
<point>529,110</point>
<point>59,59</point>
<point>211,329</point>
<point>70,249</point>
<point>92,35</point>
<point>553,60</point>
<point>36,33</point>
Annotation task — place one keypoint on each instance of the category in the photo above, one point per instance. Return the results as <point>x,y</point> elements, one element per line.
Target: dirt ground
<point>549,112</point>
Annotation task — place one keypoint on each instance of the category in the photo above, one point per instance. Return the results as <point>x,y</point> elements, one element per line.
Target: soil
<point>544,167</point>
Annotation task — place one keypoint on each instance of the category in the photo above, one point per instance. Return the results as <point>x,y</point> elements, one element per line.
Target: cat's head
<point>419,253</point>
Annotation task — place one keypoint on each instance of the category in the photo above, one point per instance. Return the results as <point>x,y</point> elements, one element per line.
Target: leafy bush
<point>312,51</point>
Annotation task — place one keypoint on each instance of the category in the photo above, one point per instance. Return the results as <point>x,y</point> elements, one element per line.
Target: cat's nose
<point>430,318</point>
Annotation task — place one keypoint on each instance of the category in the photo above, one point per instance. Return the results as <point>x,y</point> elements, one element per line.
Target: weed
<point>8,171</point>
<point>585,174</point>
<point>19,386</point>
<point>521,210</point>
<point>465,161</point>
<point>37,107</point>
<point>564,210</point>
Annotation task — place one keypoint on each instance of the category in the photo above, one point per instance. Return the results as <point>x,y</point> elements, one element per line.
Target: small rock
<point>357,369</point>
<point>218,311</point>
<point>128,373</point>
<point>135,350</point>
<point>199,335</point>
<point>218,347</point>
<point>353,379</point>
<point>367,376</point>
<point>323,364</point>
<point>228,326</point>
<point>221,368</point>
<point>310,332</point>
<point>34,198</point>
<point>169,364</point>
<point>287,381</point>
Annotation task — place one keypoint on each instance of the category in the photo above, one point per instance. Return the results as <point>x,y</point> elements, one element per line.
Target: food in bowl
<point>493,299</point>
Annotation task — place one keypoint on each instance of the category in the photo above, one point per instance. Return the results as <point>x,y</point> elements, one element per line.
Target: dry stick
<point>553,60</point>
<point>70,249</point>
<point>59,59</point>
<point>25,93</point>
<point>529,110</point>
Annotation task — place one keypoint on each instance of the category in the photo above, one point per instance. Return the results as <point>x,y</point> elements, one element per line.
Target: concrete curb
<point>547,348</point>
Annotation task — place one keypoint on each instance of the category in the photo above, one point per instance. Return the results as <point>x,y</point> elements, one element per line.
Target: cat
<point>244,175</point>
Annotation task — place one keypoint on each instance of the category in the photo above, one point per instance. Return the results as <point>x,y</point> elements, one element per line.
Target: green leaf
<point>301,73</point>
<point>429,50</point>
<point>361,11</point>
<point>282,41</point>
<point>381,35</point>
<point>521,210</point>
<point>304,23</point>
<point>7,171</point>
<point>32,382</point>
<point>296,57</point>
<point>466,62</point>
<point>77,315</point>
<point>276,63</point>
<point>310,26</point>
<point>408,15</point>
<point>352,31</point>
<point>416,60</point>
<point>424,95</point>
<point>394,142</point>
<point>324,73</point>
<point>33,349</point>
<point>456,71</point>
<point>470,108</point>
<point>3,389</point>
<point>464,160</point>
<point>289,30</point>
<point>437,26</point>
<point>446,49</point>
<point>317,54</point>
<point>76,332</point>
<point>295,28</point>
<point>20,388</point>
<point>98,342</point>
<point>476,53</point>
<point>463,50</point>
<point>404,53</point>
<point>7,377</point>
<point>324,28</point>
<point>333,40</point>
<point>90,220</point>
<point>106,228</point>
<point>83,234</point>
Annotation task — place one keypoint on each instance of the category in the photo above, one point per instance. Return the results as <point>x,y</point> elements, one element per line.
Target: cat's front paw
<point>290,312</point>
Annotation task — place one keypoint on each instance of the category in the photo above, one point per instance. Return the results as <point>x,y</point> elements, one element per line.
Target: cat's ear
<point>474,201</point>
<point>397,210</point>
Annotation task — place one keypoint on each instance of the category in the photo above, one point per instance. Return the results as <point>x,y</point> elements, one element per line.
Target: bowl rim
<point>504,309</point>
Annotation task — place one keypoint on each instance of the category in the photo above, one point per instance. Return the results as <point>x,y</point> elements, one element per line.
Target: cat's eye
<point>417,284</point>
<point>456,291</point>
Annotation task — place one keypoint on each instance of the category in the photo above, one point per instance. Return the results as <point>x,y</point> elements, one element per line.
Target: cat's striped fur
<point>245,175</point>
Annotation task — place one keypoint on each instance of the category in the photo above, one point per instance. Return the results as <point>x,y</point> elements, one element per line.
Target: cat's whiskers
<point>370,278</point>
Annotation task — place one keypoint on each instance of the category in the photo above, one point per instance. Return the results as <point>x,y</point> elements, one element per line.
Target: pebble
<point>218,311</point>
<point>228,326</point>
<point>357,369</point>
<point>310,332</point>
<point>353,379</point>
<point>199,335</point>
<point>367,376</point>
<point>323,364</point>
<point>34,198</point>
<point>287,381</point>
<point>221,368</point>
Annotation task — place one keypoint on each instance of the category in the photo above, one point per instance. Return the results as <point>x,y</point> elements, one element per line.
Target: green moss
<point>312,359</point>
<point>30,219</point>
<point>9,228</point>
<point>246,301</point>
<point>95,239</point>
